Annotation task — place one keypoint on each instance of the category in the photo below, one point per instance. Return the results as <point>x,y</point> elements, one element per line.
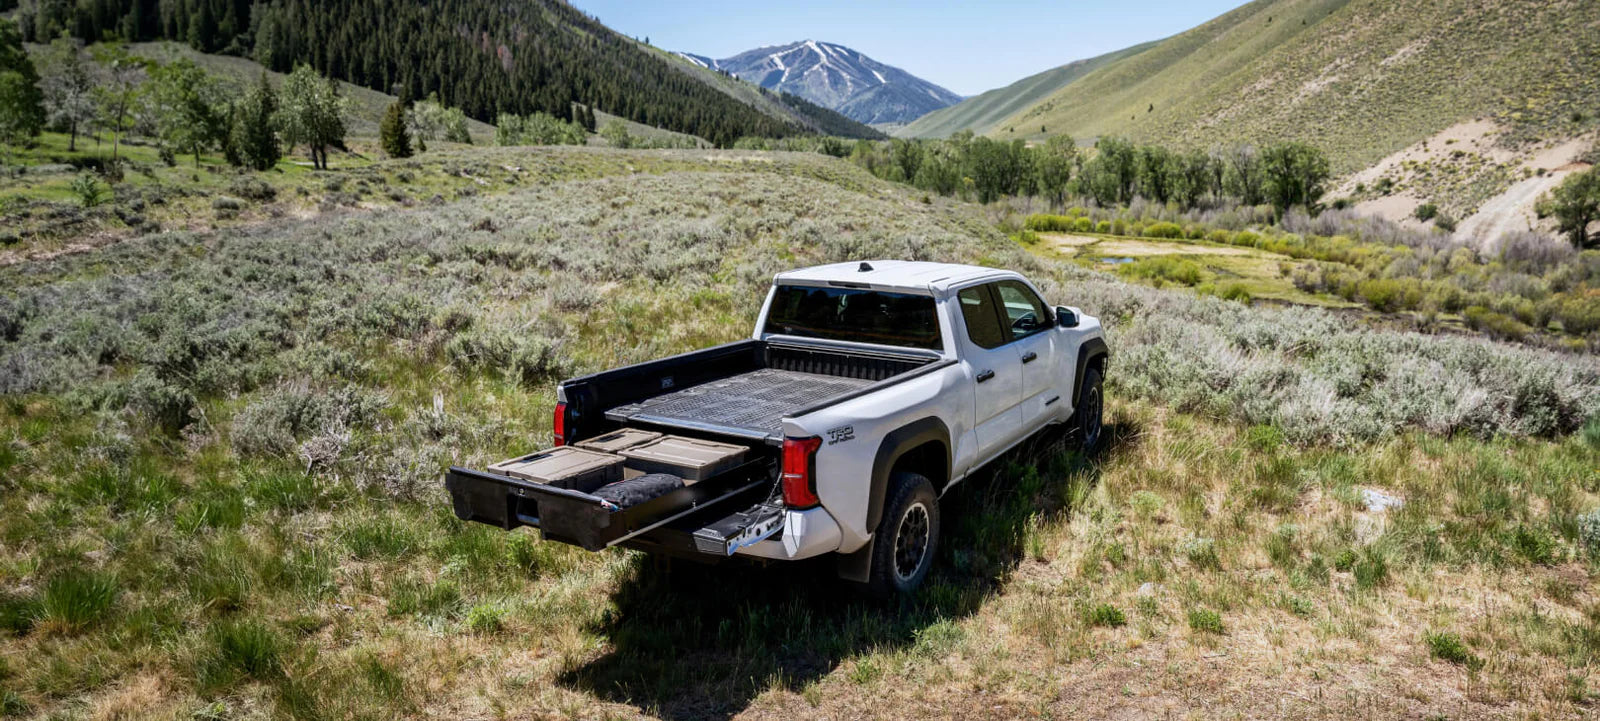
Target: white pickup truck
<point>867,390</point>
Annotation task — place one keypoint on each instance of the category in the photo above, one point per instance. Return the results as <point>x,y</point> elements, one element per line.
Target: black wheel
<point>907,538</point>
<point>1089,415</point>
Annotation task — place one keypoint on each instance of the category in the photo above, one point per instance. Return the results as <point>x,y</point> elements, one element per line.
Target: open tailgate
<point>585,520</point>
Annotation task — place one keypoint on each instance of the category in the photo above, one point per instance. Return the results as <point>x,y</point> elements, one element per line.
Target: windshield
<point>863,316</point>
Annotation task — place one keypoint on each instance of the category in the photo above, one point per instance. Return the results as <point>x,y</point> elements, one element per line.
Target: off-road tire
<point>1088,420</point>
<point>907,538</point>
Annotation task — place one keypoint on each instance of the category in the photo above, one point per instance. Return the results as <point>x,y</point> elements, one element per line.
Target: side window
<point>983,322</point>
<point>1024,312</point>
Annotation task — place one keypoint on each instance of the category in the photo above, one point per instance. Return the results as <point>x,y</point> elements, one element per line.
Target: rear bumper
<point>807,533</point>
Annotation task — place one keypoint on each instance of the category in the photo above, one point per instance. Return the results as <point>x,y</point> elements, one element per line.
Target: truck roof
<point>894,274</point>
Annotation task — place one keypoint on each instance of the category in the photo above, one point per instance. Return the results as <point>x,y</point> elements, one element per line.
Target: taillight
<point>558,427</point>
<point>799,472</point>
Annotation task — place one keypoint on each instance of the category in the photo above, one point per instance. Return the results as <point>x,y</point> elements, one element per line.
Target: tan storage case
<point>579,469</point>
<point>618,440</point>
<point>691,459</point>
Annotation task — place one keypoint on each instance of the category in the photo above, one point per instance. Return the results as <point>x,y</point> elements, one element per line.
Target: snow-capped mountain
<point>836,77</point>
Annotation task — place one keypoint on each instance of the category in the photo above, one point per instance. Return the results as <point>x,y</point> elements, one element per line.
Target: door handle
<point>1030,357</point>
<point>985,375</point>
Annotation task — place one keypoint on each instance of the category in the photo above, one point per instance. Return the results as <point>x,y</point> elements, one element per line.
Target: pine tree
<point>255,134</point>
<point>21,103</point>
<point>392,132</point>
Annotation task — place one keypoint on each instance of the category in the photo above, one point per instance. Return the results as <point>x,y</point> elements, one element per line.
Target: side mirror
<point>1065,317</point>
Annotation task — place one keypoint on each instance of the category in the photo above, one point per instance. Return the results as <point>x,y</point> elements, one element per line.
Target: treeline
<point>187,111</point>
<point>828,122</point>
<point>1114,172</point>
<point>484,57</point>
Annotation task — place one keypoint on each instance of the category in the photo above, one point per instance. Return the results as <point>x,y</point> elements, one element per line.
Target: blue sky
<point>968,47</point>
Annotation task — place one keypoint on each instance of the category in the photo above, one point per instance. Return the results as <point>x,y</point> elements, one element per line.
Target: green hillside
<point>981,113</point>
<point>1361,78</point>
<point>483,57</point>
<point>366,105</point>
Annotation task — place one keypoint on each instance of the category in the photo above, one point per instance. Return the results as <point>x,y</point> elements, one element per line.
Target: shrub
<point>1045,223</point>
<point>521,357</point>
<point>252,188</point>
<point>1104,614</point>
<point>486,618</point>
<point>1534,544</point>
<point>1235,291</point>
<point>76,600</point>
<point>88,190</point>
<point>1202,552</point>
<point>1426,212</point>
<point>1164,268</point>
<point>223,202</point>
<point>1494,324</point>
<point>1203,620</point>
<point>1103,227</point>
<point>1447,646</point>
<point>1589,532</point>
<point>1083,225</point>
<point>1164,230</point>
<point>1383,294</point>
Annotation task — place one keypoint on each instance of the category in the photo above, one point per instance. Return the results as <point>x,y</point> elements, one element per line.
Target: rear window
<point>851,314</point>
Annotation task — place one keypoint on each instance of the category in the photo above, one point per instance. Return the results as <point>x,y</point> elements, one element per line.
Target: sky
<point>968,47</point>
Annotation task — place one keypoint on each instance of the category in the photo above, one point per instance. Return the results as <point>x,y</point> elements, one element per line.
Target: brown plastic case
<point>579,469</point>
<point>618,440</point>
<point>691,459</point>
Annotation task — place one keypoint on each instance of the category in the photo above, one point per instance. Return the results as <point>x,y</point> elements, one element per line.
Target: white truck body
<point>933,398</point>
<point>984,420</point>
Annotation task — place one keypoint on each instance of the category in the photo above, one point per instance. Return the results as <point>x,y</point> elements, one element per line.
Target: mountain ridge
<point>836,77</point>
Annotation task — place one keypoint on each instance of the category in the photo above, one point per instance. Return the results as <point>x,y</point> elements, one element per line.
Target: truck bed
<point>739,391</point>
<point>753,404</point>
<point>735,392</point>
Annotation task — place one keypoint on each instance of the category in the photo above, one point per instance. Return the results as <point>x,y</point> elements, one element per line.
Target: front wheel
<point>1091,408</point>
<point>907,538</point>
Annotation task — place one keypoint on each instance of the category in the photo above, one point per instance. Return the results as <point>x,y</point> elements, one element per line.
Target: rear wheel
<point>907,537</point>
<point>1091,408</point>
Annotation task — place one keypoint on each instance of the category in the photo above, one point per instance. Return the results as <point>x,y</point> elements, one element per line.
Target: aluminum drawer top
<point>754,403</point>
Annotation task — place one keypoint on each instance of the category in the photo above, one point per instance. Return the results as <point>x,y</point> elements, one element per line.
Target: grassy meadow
<point>221,447</point>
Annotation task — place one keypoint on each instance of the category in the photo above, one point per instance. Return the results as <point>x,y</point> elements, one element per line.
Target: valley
<point>1351,456</point>
<point>274,407</point>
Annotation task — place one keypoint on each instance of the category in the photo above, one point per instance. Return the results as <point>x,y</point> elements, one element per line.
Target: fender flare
<point>895,445</point>
<point>1092,349</point>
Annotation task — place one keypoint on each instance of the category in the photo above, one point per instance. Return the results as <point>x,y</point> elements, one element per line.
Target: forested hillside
<point>484,57</point>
